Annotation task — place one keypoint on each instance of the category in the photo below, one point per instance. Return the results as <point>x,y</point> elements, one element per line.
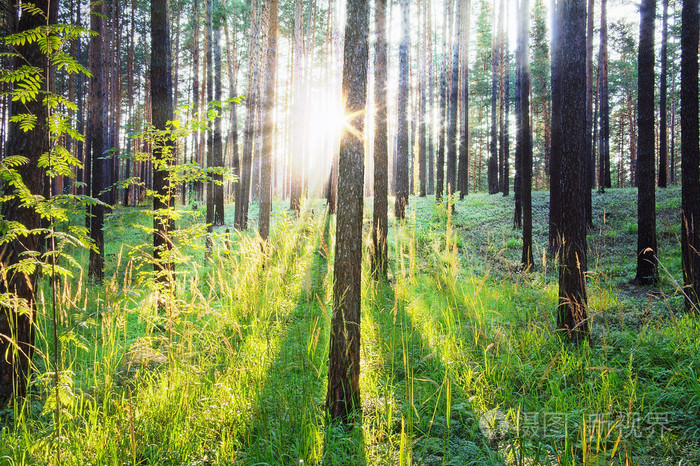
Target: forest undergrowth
<point>460,360</point>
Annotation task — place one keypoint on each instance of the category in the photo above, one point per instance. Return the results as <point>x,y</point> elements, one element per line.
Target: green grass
<point>461,363</point>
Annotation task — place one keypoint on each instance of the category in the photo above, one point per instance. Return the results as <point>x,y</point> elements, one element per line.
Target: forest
<point>349,232</point>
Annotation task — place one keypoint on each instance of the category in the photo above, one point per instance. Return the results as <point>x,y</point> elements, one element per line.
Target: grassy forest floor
<point>461,363</point>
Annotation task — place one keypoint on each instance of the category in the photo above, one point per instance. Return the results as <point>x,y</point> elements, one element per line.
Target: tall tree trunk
<point>646,179</point>
<point>505,111</point>
<point>492,171</point>
<point>268,108</point>
<point>129,161</point>
<point>297,109</point>
<point>463,174</point>
<point>604,134</point>
<point>440,175</point>
<point>17,319</point>
<point>524,135</point>
<point>672,142</point>
<point>451,172</point>
<point>589,162</point>
<point>503,57</point>
<point>555,169</point>
<point>232,144</point>
<point>343,396</point>
<point>403,149</point>
<point>115,146</point>
<point>211,44</point>
<point>518,181</point>
<point>631,123</point>
<point>431,100</point>
<point>423,101</point>
<point>195,88</point>
<point>217,143</point>
<point>204,100</point>
<point>690,160</point>
<point>96,143</point>
<point>663,107</point>
<point>381,152</point>
<point>243,193</point>
<point>162,108</point>
<point>571,312</point>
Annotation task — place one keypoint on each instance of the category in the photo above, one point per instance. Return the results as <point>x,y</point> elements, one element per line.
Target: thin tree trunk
<point>195,89</point>
<point>381,152</point>
<point>646,196</point>
<point>555,169</point>
<point>297,110</point>
<point>162,108</point>
<point>440,175</point>
<point>210,98</point>
<point>492,172</point>
<point>231,54</point>
<point>604,134</point>
<point>403,149</point>
<point>690,161</point>
<point>96,144</point>
<point>268,107</point>
<point>463,175</point>
<point>663,107</point>
<point>243,195</point>
<point>217,143</point>
<point>589,161</point>
<point>451,171</point>
<point>524,134</point>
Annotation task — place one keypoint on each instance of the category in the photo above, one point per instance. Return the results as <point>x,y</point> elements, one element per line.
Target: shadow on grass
<point>437,424</point>
<point>287,417</point>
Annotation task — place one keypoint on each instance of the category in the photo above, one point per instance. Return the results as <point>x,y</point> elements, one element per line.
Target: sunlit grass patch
<point>461,362</point>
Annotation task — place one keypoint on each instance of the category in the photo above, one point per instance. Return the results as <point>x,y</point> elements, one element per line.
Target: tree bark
<point>646,196</point>
<point>571,313</point>
<point>343,397</point>
<point>243,192</point>
<point>604,134</point>
<point>555,188</point>
<point>589,162</point>
<point>690,161</point>
<point>268,108</point>
<point>162,110</point>
<point>18,319</point>
<point>524,135</point>
<point>463,167</point>
<point>492,170</point>
<point>297,110</point>
<point>381,159</point>
<point>451,171</point>
<point>195,89</point>
<point>96,144</point>
<point>403,149</point>
<point>217,186</point>
<point>210,98</point>
<point>663,107</point>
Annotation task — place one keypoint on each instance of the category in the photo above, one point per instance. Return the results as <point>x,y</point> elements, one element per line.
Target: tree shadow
<point>436,423</point>
<point>287,419</point>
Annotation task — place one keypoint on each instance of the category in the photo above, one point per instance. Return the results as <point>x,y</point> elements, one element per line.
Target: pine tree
<point>402,137</point>
<point>381,169</point>
<point>524,134</point>
<point>343,396</point>
<point>646,197</point>
<point>268,126</point>
<point>572,315</point>
<point>690,160</point>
